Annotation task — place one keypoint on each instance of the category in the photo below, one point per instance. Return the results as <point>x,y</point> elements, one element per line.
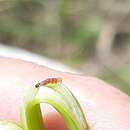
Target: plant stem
<point>58,96</point>
<point>31,112</point>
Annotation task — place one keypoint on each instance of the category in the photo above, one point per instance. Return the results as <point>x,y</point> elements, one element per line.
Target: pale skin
<point>105,107</point>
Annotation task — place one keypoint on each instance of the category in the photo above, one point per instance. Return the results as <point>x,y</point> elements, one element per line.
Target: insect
<point>48,81</point>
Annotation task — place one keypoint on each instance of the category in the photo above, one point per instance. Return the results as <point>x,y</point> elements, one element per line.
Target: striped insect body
<point>48,81</point>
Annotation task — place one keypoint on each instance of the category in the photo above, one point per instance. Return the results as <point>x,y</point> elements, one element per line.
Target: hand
<point>105,107</point>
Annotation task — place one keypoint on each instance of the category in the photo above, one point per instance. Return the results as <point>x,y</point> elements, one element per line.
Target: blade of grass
<point>61,99</point>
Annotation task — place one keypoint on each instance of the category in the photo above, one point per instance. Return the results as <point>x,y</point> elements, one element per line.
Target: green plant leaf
<point>59,97</point>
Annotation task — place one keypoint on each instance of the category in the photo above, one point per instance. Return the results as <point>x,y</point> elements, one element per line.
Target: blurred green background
<point>92,36</point>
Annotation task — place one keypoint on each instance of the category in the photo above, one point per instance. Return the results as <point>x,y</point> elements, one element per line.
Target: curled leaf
<point>59,97</point>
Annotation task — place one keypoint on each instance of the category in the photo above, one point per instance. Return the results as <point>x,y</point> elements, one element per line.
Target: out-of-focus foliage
<point>119,78</point>
<point>44,26</point>
<point>90,35</point>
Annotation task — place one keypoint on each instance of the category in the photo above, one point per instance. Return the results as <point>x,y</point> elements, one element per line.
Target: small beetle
<point>48,81</point>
